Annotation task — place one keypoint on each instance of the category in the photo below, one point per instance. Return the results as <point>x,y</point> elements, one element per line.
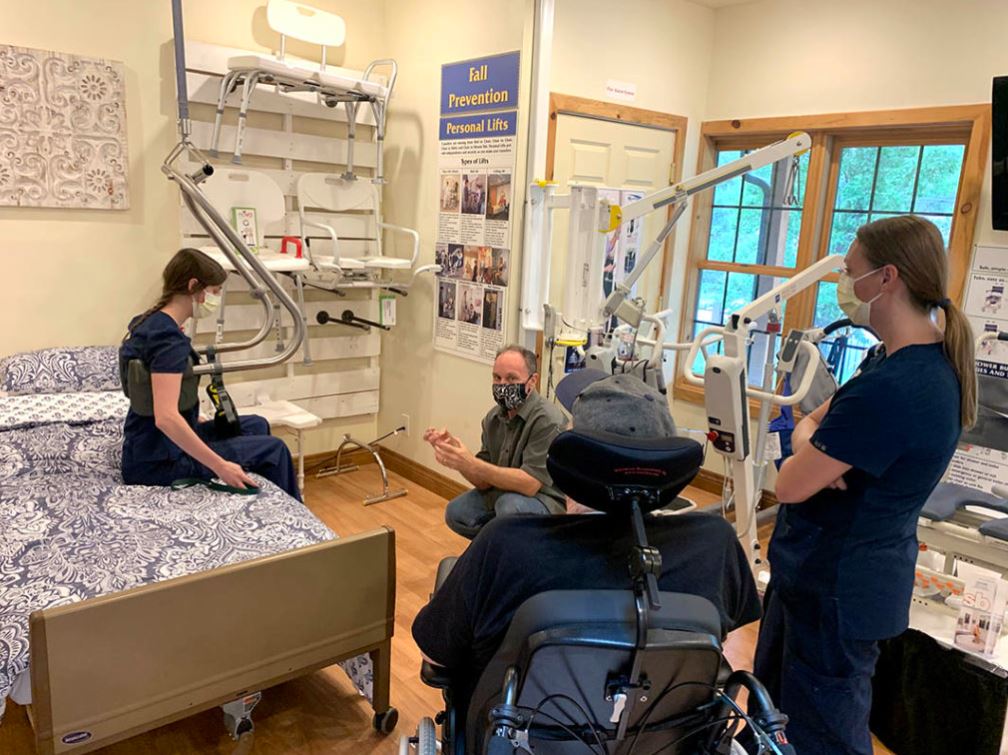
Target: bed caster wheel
<point>239,727</point>
<point>385,723</point>
<point>238,715</point>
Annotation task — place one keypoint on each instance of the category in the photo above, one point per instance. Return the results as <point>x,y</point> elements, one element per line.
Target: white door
<point>615,155</point>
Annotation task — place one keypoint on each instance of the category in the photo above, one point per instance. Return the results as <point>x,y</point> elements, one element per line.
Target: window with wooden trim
<point>755,231</point>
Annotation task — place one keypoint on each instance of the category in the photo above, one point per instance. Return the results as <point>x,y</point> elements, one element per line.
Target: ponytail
<point>959,350</point>
<point>915,246</point>
<point>165,298</point>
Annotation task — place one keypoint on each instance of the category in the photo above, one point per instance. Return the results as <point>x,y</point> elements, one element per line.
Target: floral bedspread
<point>71,530</point>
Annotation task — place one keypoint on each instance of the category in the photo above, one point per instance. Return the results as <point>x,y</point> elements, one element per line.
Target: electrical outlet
<point>405,423</point>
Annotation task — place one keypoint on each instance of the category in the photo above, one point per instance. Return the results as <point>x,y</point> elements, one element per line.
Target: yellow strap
<point>615,218</point>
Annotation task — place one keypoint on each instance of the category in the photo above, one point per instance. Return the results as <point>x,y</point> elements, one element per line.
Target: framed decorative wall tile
<point>62,131</point>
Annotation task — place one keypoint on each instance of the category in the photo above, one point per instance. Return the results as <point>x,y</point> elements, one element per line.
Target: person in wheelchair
<point>619,426</point>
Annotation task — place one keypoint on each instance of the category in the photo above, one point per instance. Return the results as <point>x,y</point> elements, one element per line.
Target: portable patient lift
<point>262,284</point>
<point>725,378</point>
<point>589,218</point>
<point>727,391</point>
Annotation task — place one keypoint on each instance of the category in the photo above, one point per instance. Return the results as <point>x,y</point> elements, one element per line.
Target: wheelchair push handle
<point>770,722</point>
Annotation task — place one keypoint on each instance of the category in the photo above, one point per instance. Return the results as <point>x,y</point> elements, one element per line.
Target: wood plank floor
<point>321,713</point>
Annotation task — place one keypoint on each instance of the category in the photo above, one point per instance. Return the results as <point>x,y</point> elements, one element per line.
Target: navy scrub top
<point>896,422</point>
<point>161,345</point>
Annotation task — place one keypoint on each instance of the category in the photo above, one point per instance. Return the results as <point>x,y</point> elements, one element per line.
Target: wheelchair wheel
<point>426,737</point>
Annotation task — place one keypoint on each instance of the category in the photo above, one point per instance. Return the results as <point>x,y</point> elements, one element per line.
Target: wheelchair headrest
<point>604,472</point>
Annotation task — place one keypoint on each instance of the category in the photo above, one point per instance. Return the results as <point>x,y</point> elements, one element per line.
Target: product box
<point>981,617</point>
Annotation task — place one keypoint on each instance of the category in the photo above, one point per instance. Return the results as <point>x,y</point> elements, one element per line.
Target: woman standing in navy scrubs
<point>844,547</point>
<point>172,444</point>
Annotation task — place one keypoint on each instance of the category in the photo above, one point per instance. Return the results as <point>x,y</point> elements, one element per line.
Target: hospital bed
<point>123,608</point>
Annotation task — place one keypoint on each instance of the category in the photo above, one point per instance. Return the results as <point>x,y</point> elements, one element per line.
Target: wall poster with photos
<point>478,129</point>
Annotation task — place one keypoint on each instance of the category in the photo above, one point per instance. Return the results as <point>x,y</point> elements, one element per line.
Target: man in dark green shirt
<point>508,473</point>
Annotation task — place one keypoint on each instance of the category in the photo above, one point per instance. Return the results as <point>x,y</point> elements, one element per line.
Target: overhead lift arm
<point>241,257</point>
<point>676,196</point>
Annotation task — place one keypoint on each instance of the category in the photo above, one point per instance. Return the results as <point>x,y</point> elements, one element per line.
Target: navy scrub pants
<point>255,450</point>
<point>818,678</point>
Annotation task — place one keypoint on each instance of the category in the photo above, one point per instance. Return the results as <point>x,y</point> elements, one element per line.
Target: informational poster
<point>986,307</point>
<point>621,246</point>
<point>982,457</point>
<point>630,241</point>
<point>477,132</point>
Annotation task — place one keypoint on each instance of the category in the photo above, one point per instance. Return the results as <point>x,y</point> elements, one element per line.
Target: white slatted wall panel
<point>310,133</point>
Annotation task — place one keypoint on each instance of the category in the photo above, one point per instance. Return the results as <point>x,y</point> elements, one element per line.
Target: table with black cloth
<point>932,698</point>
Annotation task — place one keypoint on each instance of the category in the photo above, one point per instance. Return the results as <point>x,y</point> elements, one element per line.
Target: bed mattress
<point>72,530</point>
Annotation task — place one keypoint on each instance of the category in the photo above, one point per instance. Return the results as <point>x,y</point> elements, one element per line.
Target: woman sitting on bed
<point>163,440</point>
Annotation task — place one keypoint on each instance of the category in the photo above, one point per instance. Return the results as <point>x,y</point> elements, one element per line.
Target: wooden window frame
<point>966,124</point>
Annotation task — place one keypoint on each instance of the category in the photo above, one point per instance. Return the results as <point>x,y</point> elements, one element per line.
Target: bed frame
<point>110,667</point>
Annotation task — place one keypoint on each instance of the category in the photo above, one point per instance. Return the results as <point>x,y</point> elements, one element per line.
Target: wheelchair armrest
<point>435,676</point>
<point>443,570</point>
<point>431,674</point>
<point>723,673</point>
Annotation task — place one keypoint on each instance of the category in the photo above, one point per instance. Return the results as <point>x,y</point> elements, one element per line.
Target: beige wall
<point>664,47</point>
<point>799,57</point>
<point>80,274</point>
<point>433,387</point>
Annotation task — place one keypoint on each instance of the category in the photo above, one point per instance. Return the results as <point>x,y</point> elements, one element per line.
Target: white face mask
<point>857,311</point>
<point>209,305</point>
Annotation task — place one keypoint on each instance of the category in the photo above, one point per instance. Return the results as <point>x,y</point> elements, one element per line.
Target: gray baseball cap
<point>616,404</point>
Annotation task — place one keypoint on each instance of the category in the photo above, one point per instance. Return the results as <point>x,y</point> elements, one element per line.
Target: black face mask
<point>510,396</point>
